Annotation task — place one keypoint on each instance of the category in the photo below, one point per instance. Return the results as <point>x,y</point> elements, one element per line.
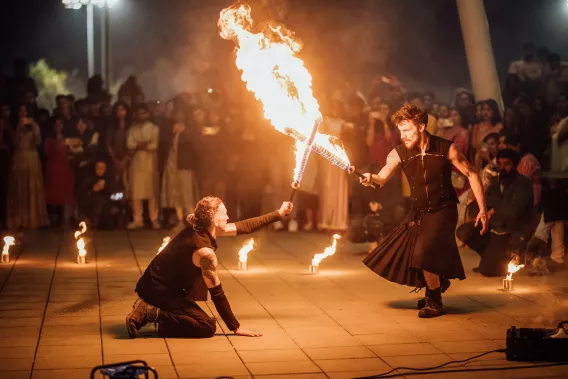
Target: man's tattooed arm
<point>208,264</point>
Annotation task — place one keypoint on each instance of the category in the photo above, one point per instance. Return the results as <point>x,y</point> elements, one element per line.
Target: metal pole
<point>108,50</point>
<point>479,52</point>
<point>103,42</point>
<point>90,40</point>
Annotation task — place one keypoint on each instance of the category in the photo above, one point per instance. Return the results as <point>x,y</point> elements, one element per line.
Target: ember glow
<point>8,241</point>
<point>277,77</point>
<point>330,250</point>
<point>165,242</point>
<point>512,268</point>
<point>247,248</point>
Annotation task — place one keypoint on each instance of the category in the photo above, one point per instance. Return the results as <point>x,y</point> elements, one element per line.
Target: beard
<point>410,143</point>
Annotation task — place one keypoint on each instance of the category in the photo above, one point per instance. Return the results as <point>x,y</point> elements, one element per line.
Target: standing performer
<point>422,250</point>
<point>182,273</point>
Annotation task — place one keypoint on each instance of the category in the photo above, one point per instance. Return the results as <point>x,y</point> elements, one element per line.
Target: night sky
<point>166,42</point>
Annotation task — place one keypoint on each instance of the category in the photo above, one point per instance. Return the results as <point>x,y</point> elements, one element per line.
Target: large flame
<point>165,242</point>
<point>247,248</point>
<point>81,247</point>
<point>8,241</point>
<point>513,267</point>
<point>276,76</point>
<point>330,250</point>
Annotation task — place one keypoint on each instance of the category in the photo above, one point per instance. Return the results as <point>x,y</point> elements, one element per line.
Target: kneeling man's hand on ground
<point>247,333</point>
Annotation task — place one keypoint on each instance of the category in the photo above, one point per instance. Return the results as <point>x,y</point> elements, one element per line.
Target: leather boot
<point>434,306</point>
<point>444,285</point>
<point>142,313</point>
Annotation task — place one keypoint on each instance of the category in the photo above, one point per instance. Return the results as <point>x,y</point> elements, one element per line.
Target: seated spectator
<point>490,122</point>
<point>101,204</point>
<point>510,210</point>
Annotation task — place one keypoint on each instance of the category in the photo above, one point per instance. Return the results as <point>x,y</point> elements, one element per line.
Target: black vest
<point>172,273</point>
<point>429,174</point>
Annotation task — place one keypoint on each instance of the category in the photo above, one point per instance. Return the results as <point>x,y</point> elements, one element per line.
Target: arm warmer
<point>222,305</point>
<point>252,224</point>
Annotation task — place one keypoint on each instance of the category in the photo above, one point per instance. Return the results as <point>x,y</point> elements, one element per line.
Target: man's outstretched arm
<point>465,168</point>
<point>253,224</point>
<point>208,264</point>
<point>393,163</point>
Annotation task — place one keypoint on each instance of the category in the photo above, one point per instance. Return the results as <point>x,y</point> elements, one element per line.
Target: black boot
<point>444,285</point>
<point>142,313</point>
<point>434,306</point>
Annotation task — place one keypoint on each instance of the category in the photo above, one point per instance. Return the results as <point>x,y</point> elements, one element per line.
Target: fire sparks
<point>278,78</point>
<point>8,241</point>
<point>330,250</point>
<point>247,248</point>
<point>165,242</point>
<point>513,267</point>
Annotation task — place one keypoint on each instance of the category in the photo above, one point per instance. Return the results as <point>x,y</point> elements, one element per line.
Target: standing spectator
<point>21,86</point>
<point>82,149</point>
<point>143,140</point>
<point>116,144</point>
<point>26,195</point>
<point>6,139</point>
<point>530,167</point>
<point>490,122</point>
<point>464,102</point>
<point>131,92</point>
<point>334,200</point>
<point>556,78</point>
<point>179,184</point>
<point>528,70</point>
<point>59,187</point>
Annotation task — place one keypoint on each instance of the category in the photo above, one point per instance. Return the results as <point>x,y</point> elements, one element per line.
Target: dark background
<point>168,42</point>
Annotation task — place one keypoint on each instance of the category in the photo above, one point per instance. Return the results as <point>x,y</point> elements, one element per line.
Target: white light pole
<point>479,52</point>
<point>105,33</point>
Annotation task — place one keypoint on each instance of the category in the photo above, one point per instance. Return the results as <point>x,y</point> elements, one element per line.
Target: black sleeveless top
<point>429,174</point>
<point>172,273</point>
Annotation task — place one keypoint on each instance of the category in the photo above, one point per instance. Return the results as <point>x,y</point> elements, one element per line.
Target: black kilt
<point>423,241</point>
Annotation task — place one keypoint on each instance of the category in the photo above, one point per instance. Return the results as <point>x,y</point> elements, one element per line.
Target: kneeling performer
<point>183,272</point>
<point>422,250</point>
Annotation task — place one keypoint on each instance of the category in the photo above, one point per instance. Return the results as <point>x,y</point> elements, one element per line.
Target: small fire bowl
<point>81,259</point>
<point>508,285</point>
<point>243,266</point>
<point>5,258</point>
<point>314,269</point>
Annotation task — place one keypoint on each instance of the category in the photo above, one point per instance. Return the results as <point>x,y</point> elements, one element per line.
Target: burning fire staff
<point>185,269</point>
<point>422,250</point>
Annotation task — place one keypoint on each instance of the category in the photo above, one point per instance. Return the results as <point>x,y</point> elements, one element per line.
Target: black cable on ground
<point>428,370</point>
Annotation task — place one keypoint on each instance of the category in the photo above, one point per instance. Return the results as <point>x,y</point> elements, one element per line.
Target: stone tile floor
<point>59,319</point>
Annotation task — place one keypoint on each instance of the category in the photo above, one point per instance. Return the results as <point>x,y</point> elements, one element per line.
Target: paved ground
<point>59,319</point>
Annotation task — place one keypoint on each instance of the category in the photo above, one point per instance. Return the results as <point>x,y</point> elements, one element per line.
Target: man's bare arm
<point>208,265</point>
<point>393,163</point>
<point>459,161</point>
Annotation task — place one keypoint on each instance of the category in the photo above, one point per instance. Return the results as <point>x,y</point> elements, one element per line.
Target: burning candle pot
<point>512,267</point>
<point>8,241</point>
<point>243,254</point>
<point>165,242</point>
<point>81,251</point>
<point>330,250</point>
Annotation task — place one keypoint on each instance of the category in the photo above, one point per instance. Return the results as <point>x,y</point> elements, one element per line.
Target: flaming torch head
<point>330,250</point>
<point>165,242</point>
<point>247,248</point>
<point>83,226</point>
<point>277,77</point>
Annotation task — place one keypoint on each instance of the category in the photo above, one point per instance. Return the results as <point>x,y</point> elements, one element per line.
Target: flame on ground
<point>330,250</point>
<point>165,242</point>
<point>513,267</point>
<point>81,247</point>
<point>247,248</point>
<point>273,72</point>
<point>83,227</point>
<point>8,241</point>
